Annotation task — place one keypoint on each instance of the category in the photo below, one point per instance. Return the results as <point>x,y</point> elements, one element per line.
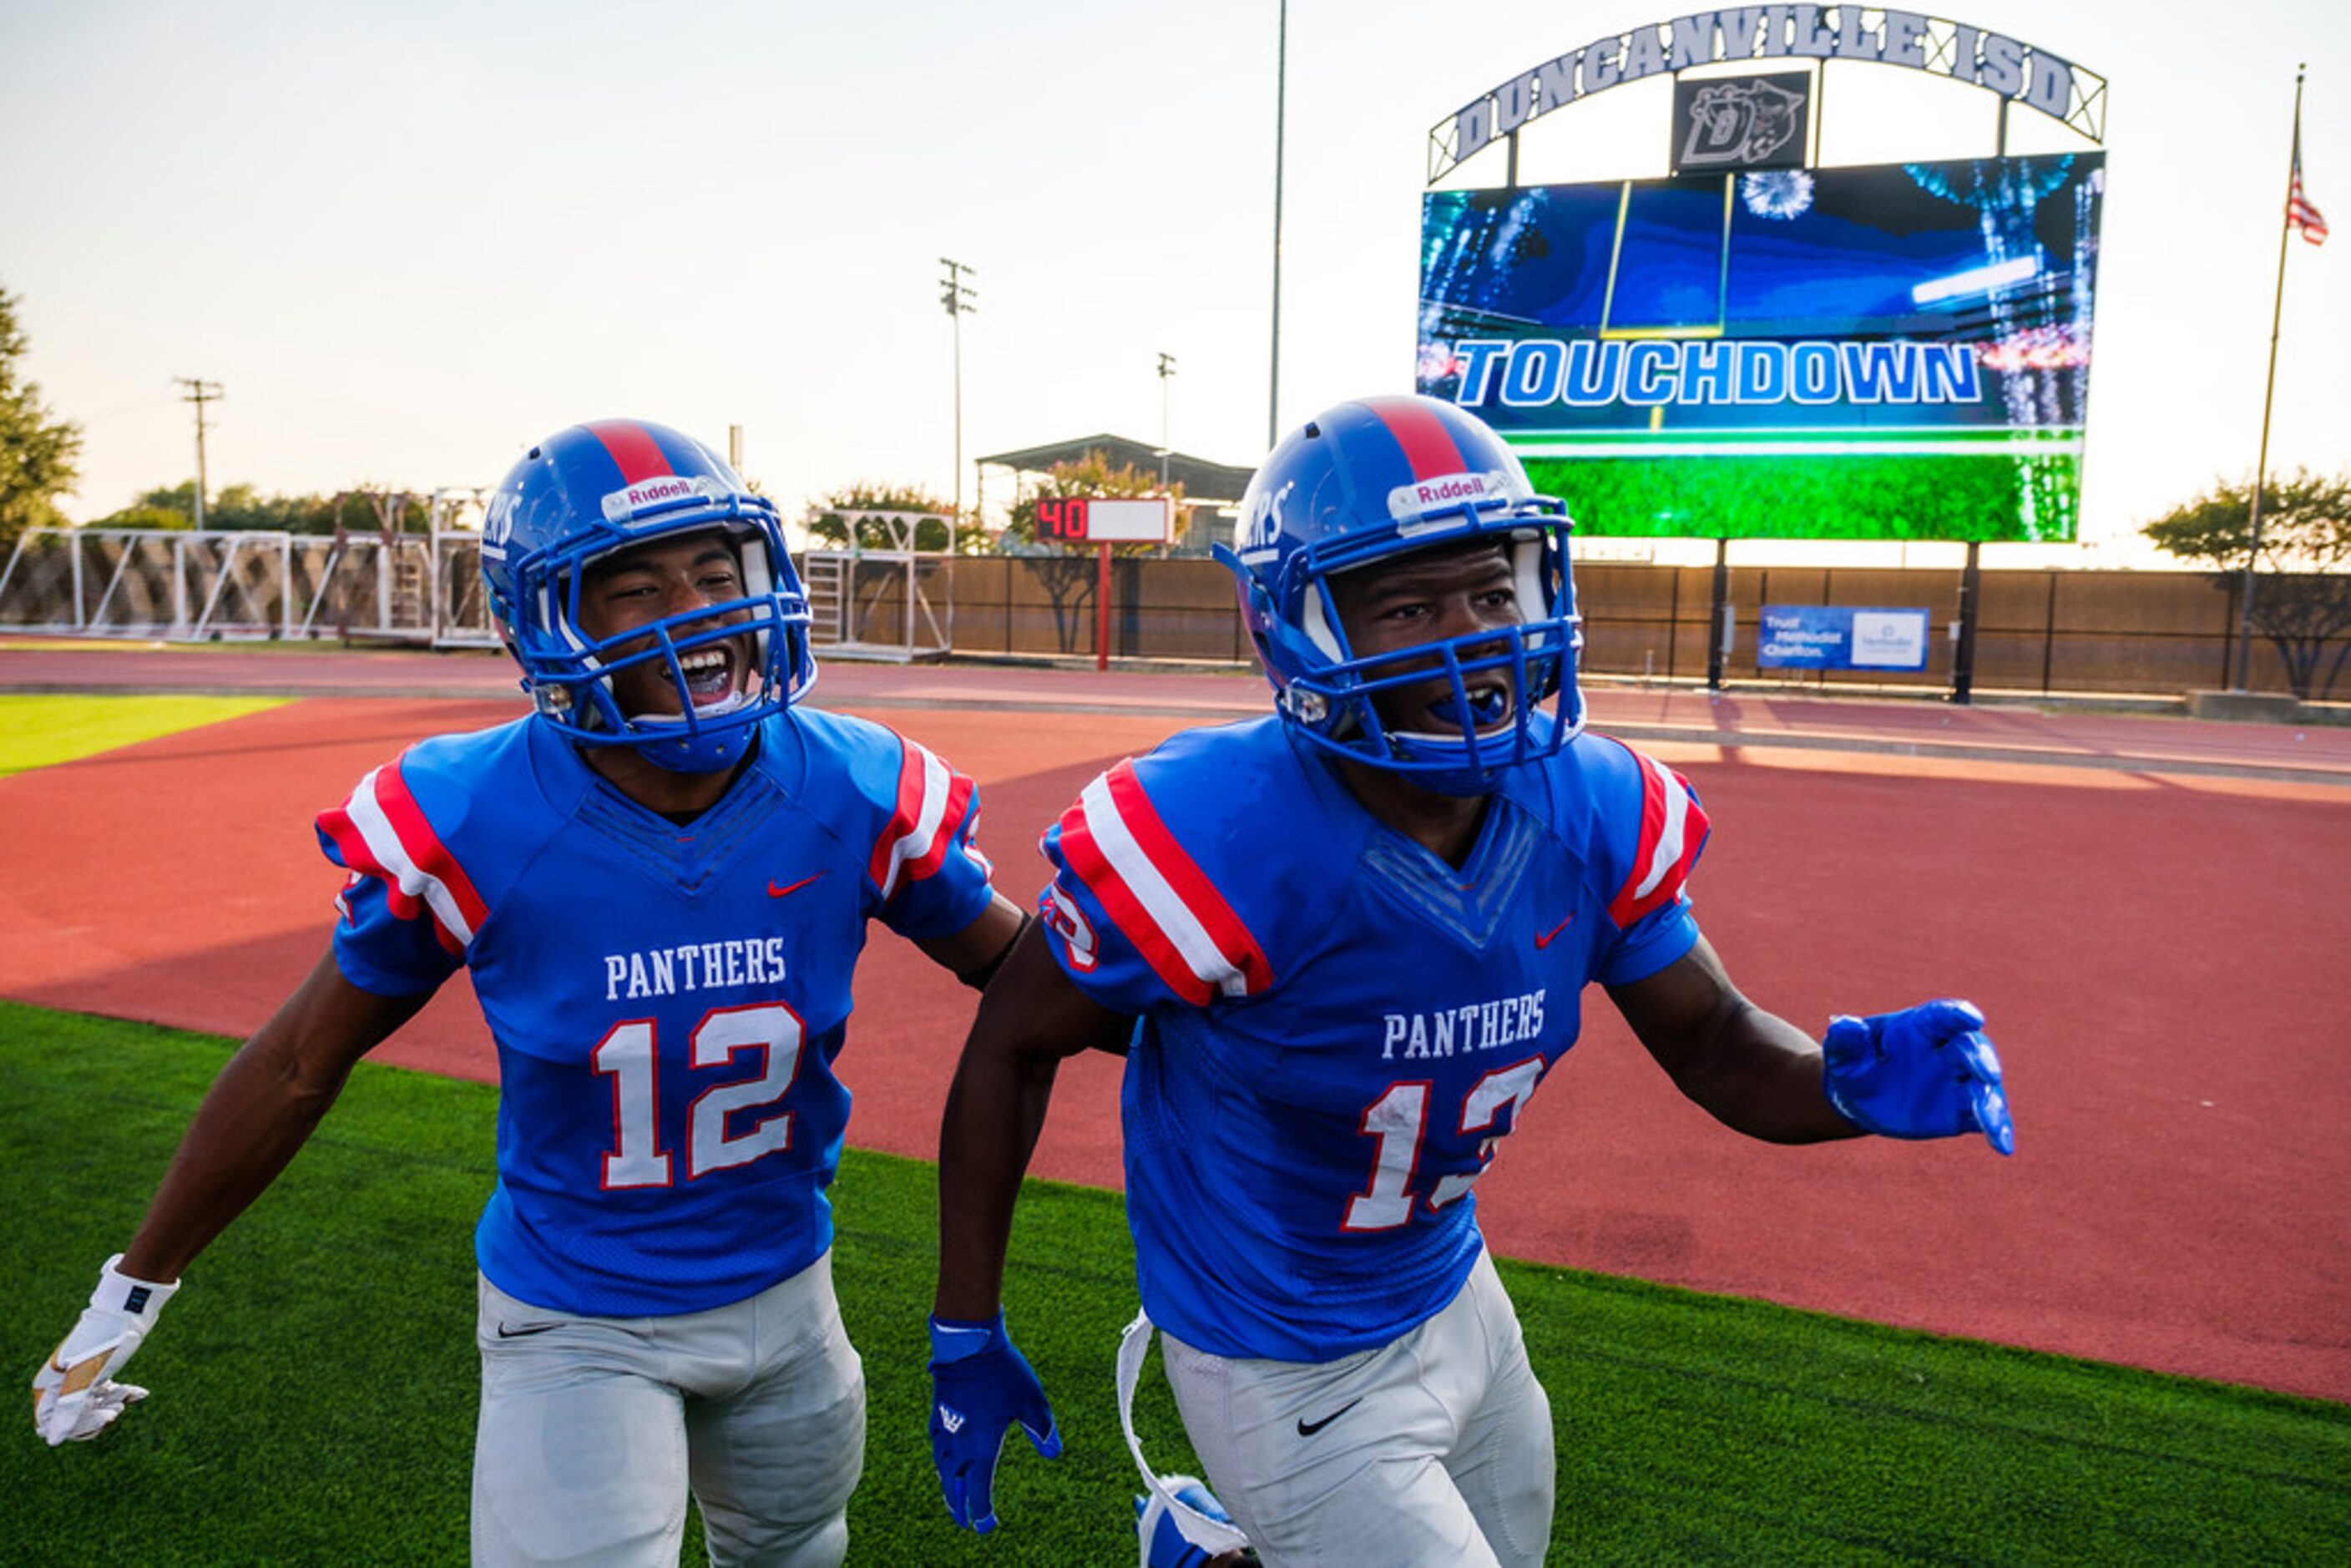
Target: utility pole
<point>958,298</point>
<point>200,393</point>
<point>1166,372</point>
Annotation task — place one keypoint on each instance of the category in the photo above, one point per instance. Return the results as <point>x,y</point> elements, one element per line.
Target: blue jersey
<point>667,1002</point>
<point>1336,1024</point>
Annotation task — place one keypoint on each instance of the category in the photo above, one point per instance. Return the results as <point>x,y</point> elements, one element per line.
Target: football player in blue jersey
<point>660,882</point>
<point>1348,942</point>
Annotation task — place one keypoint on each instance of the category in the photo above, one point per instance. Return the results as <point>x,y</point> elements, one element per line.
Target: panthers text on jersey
<point>667,1002</point>
<point>1337,1025</point>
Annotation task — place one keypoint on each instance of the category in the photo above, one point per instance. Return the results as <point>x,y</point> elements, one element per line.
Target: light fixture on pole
<point>1166,372</point>
<point>958,298</point>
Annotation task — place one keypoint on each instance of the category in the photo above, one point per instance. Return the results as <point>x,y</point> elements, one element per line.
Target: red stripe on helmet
<point>1428,445</point>
<point>633,448</point>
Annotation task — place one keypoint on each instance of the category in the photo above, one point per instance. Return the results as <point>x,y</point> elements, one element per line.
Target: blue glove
<point>1926,1072</point>
<point>980,1384</point>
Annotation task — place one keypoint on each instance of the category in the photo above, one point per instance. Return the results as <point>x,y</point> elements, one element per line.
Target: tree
<point>243,509</point>
<point>2302,591</point>
<point>240,508</point>
<point>829,528</point>
<point>38,453</point>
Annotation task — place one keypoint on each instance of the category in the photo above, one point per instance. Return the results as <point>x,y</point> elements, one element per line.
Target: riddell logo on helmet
<point>1468,488</point>
<point>652,491</point>
<point>1446,492</point>
<point>622,505</point>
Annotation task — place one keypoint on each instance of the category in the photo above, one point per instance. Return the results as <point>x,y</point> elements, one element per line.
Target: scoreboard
<point>1099,519</point>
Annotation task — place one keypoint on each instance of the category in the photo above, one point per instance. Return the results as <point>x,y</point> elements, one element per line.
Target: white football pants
<point>1435,1449</point>
<point>593,1430</point>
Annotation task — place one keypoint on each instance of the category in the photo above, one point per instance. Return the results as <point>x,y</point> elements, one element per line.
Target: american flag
<point>2299,213</point>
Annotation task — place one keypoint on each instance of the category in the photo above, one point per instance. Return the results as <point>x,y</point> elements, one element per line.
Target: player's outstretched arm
<point>1925,1073</point>
<point>1748,1069</point>
<point>258,1113</point>
<point>1029,1019</point>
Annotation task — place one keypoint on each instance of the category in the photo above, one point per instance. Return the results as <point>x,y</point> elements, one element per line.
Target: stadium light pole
<point>957,297</point>
<point>1166,372</point>
<point>1280,89</point>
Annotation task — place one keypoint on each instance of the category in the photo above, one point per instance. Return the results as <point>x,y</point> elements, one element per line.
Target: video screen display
<point>1899,351</point>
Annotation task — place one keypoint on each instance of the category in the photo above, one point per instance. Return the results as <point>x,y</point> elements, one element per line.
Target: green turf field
<point>42,731</point>
<point>314,1383</point>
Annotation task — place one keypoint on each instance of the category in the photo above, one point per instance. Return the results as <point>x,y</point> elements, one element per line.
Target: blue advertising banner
<point>1840,637</point>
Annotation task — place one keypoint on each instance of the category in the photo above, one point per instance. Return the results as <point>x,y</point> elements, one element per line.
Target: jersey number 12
<point>628,1057</point>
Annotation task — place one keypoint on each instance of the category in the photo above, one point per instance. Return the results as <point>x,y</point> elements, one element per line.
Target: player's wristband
<point>978,975</point>
<point>120,1292</point>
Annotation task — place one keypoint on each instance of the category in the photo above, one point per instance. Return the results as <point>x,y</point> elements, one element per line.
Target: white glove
<point>74,1396</point>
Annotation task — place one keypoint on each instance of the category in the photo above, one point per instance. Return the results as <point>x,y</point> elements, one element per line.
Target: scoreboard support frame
<point>1101,521</point>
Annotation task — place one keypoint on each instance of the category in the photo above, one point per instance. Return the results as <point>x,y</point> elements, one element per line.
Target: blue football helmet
<point>593,489</point>
<point>1359,485</point>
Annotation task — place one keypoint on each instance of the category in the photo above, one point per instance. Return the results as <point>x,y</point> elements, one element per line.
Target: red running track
<point>2149,913</point>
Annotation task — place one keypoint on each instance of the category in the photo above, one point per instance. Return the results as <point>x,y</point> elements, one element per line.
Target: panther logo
<point>1740,123</point>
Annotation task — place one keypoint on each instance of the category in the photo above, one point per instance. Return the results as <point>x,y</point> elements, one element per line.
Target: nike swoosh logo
<point>1308,1429</point>
<point>1546,939</point>
<point>775,891</point>
<point>506,1333</point>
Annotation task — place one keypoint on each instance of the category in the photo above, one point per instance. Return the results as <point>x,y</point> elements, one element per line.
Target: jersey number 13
<point>1399,1119</point>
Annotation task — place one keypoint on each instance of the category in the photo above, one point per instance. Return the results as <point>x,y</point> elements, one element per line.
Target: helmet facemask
<point>1361,486</point>
<point>1493,682</point>
<point>551,538</point>
<point>714,663</point>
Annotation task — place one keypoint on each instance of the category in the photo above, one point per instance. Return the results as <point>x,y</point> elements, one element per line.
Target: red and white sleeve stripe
<point>932,800</point>
<point>382,831</point>
<point>1157,895</point>
<point>1673,828</point>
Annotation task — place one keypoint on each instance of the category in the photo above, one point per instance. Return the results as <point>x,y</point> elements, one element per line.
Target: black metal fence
<point>2164,632</point>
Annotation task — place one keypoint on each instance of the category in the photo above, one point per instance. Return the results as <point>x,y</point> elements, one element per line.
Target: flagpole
<point>2269,392</point>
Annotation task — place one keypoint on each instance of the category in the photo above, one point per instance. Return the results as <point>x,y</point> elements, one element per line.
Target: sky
<point>409,239</point>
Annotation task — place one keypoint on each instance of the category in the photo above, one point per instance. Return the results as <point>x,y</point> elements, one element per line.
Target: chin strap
<point>1211,1535</point>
